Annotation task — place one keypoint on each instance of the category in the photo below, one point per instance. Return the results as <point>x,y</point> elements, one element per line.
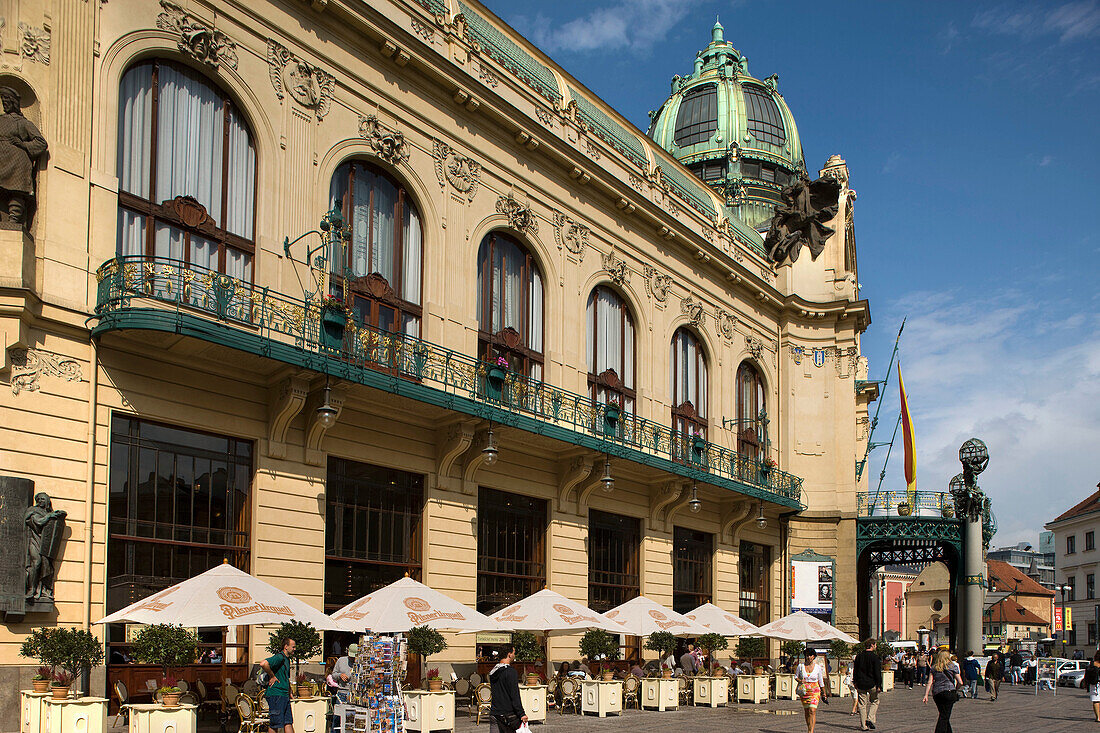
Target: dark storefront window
<point>179,505</point>
<point>755,561</point>
<point>613,544</point>
<point>372,529</point>
<point>511,548</point>
<point>692,563</point>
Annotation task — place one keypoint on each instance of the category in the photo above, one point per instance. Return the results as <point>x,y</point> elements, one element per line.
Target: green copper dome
<point>733,131</point>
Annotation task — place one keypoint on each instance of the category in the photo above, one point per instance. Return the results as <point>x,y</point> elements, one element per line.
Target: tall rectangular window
<point>372,529</point>
<point>511,548</point>
<point>1090,540</point>
<point>1090,586</point>
<point>613,547</point>
<point>692,568</point>
<point>178,506</point>
<point>1071,544</point>
<point>1091,628</point>
<point>1071,594</point>
<point>755,561</point>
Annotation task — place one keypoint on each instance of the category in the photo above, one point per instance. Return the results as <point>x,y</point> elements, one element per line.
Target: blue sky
<point>970,130</point>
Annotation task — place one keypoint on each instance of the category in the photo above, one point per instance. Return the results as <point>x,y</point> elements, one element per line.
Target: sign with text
<point>812,586</point>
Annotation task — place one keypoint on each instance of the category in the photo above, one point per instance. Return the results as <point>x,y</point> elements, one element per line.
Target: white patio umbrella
<point>642,617</point>
<point>801,626</point>
<point>222,596</point>
<point>552,614</point>
<point>722,622</point>
<point>406,603</point>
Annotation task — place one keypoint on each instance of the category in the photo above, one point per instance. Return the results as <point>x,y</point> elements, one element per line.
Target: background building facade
<point>167,349</point>
<point>1078,564</point>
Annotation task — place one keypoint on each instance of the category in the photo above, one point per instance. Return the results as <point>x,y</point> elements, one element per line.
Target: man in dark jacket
<point>867,678</point>
<point>994,673</point>
<point>506,712</point>
<point>1017,661</point>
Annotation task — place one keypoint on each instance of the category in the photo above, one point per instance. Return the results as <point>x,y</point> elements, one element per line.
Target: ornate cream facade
<point>485,134</point>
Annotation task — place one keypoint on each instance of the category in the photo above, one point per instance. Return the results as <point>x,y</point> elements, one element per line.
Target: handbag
<point>509,722</point>
<point>800,690</point>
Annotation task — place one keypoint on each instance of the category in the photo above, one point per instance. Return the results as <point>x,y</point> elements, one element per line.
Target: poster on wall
<point>812,584</point>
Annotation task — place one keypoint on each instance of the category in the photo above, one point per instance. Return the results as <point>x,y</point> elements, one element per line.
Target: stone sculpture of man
<point>21,145</point>
<point>45,525</point>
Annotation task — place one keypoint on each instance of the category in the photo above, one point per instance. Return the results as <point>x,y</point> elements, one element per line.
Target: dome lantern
<point>733,131</point>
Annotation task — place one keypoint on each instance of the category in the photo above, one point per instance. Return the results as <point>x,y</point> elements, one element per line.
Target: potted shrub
<point>307,642</point>
<point>435,682</point>
<point>612,411</point>
<point>752,649</point>
<point>598,644</point>
<point>426,641</point>
<point>41,680</point>
<point>792,648</point>
<point>165,645</point>
<point>839,650</point>
<point>169,692</point>
<point>713,643</point>
<point>62,680</point>
<point>334,321</point>
<point>664,643</point>
<point>528,649</point>
<point>304,688</point>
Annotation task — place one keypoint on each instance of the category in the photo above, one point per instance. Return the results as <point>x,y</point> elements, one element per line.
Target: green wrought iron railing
<point>303,331</point>
<point>919,505</point>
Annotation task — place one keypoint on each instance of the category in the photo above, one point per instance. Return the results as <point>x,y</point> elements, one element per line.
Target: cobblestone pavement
<point>1018,710</point>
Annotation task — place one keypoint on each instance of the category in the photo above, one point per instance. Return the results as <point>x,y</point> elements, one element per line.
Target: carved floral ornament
<point>28,365</point>
<point>615,267</point>
<point>462,173</point>
<point>520,217</point>
<point>34,43</point>
<point>387,143</point>
<point>308,85</point>
<point>571,234</point>
<point>656,284</point>
<point>197,39</point>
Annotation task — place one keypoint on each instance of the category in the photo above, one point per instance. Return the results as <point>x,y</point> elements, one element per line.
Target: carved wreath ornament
<point>308,85</point>
<point>571,234</point>
<point>195,38</point>
<point>387,143</point>
<point>462,173</point>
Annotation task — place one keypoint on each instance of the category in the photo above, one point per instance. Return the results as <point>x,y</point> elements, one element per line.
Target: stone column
<point>972,590</point>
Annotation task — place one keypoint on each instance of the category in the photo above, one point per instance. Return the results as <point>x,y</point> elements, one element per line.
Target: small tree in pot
<point>840,650</point>
<point>34,647</point>
<point>713,643</point>
<point>792,648</point>
<point>165,645</point>
<point>74,650</point>
<point>750,648</point>
<point>528,649</point>
<point>598,644</point>
<point>307,642</point>
<point>663,643</point>
<point>426,641</point>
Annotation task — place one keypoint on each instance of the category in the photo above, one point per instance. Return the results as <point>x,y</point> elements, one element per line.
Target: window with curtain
<point>382,261</point>
<point>751,427</point>
<point>186,170</point>
<point>509,304</point>
<point>372,529</point>
<point>755,562</point>
<point>688,367</point>
<point>610,349</point>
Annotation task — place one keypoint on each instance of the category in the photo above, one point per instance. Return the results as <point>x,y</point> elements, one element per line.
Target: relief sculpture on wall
<point>21,147</point>
<point>30,547</point>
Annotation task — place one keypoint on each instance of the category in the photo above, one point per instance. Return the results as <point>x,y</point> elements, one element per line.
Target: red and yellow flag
<point>909,440</point>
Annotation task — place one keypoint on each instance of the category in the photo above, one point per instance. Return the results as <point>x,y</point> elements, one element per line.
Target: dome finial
<point>716,35</point>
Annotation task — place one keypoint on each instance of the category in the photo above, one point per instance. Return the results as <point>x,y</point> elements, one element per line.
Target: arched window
<point>509,304</point>
<point>382,260</point>
<point>765,121</point>
<point>186,170</point>
<point>697,117</point>
<point>610,346</point>
<point>689,385</point>
<point>752,432</point>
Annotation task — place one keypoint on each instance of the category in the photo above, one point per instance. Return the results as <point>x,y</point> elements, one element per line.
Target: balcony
<point>920,505</point>
<point>166,295</point>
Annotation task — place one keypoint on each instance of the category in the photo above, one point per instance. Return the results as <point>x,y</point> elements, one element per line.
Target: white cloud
<point>1045,161</point>
<point>1014,372</point>
<point>627,24</point>
<point>1069,21</point>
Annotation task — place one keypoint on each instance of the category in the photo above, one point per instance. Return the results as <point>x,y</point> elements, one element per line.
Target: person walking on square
<point>1017,663</point>
<point>506,711</point>
<point>278,689</point>
<point>922,667</point>
<point>812,679</point>
<point>1092,684</point>
<point>867,675</point>
<point>942,685</point>
<point>994,673</point>
<point>972,670</point>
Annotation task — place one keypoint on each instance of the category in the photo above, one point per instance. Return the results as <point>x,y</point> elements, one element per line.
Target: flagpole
<point>874,423</point>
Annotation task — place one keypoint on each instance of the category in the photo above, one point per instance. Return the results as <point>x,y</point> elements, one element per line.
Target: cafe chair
<point>475,679</point>
<point>251,720</point>
<point>631,687</point>
<point>182,684</point>
<point>732,688</point>
<point>570,694</point>
<point>123,696</point>
<point>686,689</point>
<point>483,696</point>
<point>462,690</point>
<point>189,698</point>
<point>203,702</point>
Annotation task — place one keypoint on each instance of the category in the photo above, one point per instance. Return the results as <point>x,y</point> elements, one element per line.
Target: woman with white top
<point>812,679</point>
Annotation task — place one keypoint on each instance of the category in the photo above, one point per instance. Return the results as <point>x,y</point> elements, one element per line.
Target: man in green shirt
<point>278,689</point>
